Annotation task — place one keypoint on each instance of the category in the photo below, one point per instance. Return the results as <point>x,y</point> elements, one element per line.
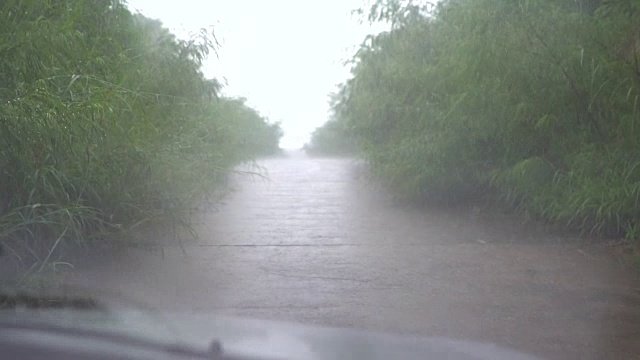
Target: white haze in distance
<point>284,56</point>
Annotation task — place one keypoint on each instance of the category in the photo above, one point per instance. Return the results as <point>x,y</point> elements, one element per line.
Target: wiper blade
<point>20,300</point>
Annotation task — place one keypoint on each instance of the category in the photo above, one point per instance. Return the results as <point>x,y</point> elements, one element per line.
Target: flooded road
<point>318,243</point>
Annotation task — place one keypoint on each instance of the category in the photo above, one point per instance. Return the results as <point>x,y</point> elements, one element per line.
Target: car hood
<point>263,339</point>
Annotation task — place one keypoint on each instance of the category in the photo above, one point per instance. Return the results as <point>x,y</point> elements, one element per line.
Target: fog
<point>284,56</point>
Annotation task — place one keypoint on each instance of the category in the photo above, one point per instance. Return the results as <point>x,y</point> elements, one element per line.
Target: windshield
<point>467,169</point>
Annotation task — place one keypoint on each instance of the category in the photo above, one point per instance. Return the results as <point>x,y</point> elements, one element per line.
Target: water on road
<point>318,243</point>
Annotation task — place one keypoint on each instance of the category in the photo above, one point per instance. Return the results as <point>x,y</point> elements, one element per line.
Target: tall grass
<point>106,120</point>
<point>534,102</point>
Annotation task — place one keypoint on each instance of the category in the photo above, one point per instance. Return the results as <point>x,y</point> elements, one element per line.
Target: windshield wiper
<point>20,300</point>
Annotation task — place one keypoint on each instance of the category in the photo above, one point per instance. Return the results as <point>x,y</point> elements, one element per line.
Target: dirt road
<point>318,244</point>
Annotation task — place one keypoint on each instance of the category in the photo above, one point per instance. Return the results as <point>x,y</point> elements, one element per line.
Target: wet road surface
<point>318,243</point>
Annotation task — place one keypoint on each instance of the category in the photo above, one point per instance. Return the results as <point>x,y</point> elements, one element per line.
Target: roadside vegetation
<point>535,103</point>
<point>106,121</point>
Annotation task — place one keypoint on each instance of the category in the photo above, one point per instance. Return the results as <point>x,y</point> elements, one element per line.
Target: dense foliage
<point>106,120</point>
<point>535,102</point>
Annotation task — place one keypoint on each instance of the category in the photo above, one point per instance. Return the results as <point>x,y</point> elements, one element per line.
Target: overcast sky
<point>284,56</point>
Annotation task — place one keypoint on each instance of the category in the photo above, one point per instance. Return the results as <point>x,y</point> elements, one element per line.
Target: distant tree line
<point>331,139</point>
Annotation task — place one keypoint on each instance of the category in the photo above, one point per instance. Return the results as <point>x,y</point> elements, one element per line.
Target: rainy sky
<point>284,56</point>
